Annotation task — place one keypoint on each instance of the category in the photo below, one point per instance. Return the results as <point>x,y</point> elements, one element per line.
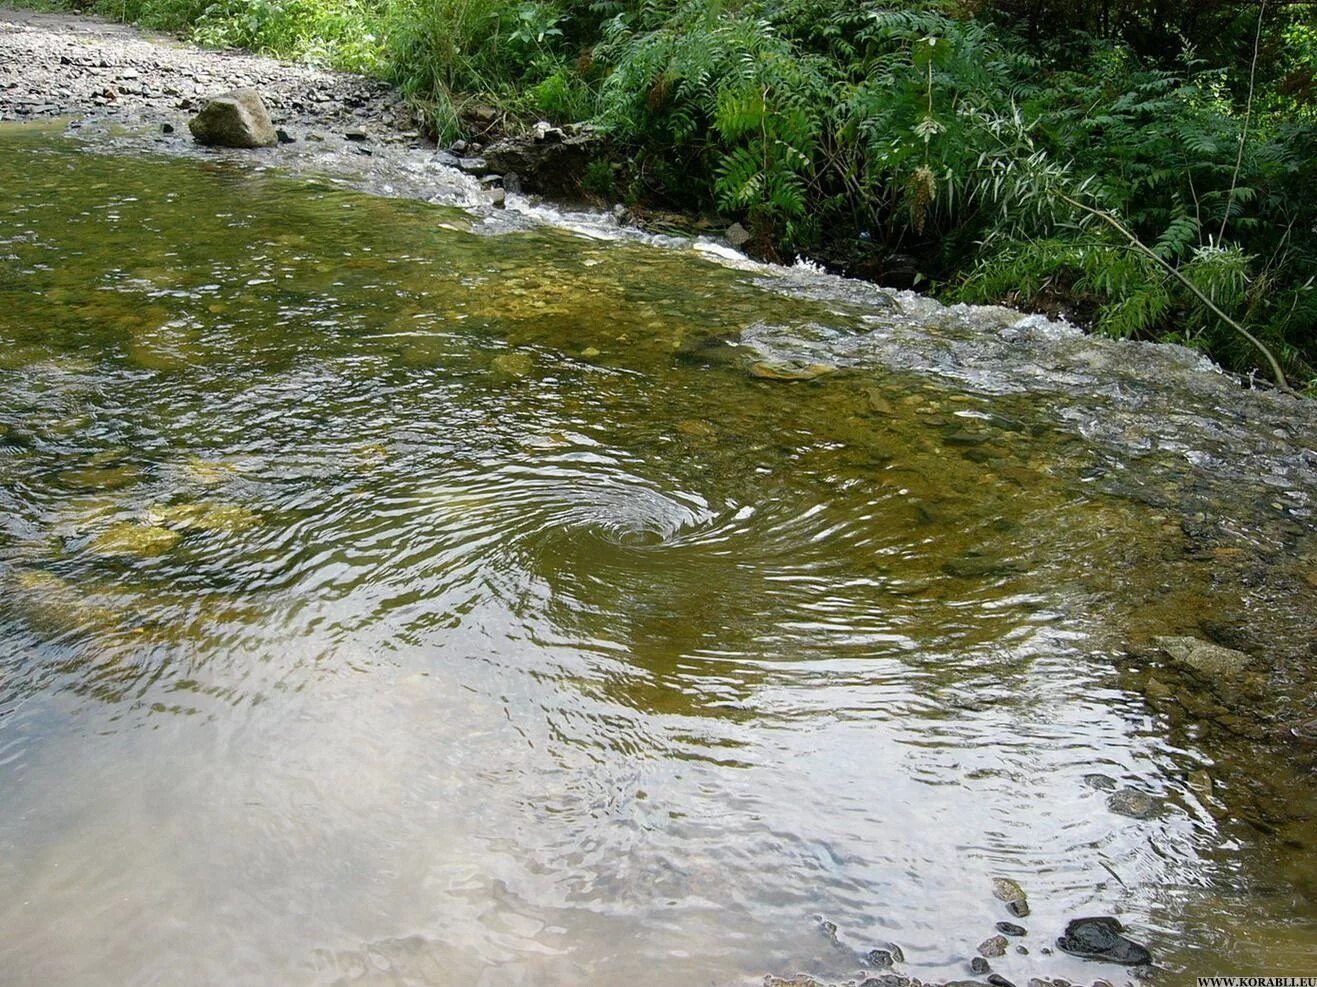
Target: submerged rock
<point>204,517</point>
<point>1132,802</point>
<point>512,364</point>
<point>1211,661</point>
<point>234,119</point>
<point>1102,938</point>
<point>790,370</point>
<point>131,538</point>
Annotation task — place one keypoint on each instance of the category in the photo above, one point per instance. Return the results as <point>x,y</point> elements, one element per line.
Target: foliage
<point>975,136</point>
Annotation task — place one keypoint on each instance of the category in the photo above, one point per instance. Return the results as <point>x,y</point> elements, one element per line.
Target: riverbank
<point>997,166</point>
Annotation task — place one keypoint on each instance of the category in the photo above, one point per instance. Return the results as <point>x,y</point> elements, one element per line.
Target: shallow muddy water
<point>386,600</point>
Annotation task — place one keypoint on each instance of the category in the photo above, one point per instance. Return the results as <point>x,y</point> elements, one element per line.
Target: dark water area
<point>384,600</point>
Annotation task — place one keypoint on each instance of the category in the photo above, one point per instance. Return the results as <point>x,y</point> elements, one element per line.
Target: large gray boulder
<point>234,119</point>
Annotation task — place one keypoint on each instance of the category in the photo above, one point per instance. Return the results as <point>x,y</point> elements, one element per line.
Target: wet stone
<point>1011,929</point>
<point>790,370</point>
<point>1103,783</point>
<point>515,365</point>
<point>1102,938</point>
<point>885,959</point>
<point>997,980</point>
<point>1004,889</point>
<point>994,946</point>
<point>234,119</point>
<point>130,538</point>
<point>979,966</point>
<point>1132,802</point>
<point>1212,661</point>
<point>99,477</point>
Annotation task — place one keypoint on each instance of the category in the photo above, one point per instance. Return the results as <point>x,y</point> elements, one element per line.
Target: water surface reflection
<point>388,603</point>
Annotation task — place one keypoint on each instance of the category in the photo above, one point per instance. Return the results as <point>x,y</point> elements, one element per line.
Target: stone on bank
<point>234,119</point>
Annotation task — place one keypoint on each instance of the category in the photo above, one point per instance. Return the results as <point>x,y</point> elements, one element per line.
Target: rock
<point>707,349</point>
<point>480,114</point>
<point>738,236</point>
<point>234,119</point>
<point>284,136</point>
<point>979,966</point>
<point>1211,661</point>
<point>995,946</point>
<point>997,980</point>
<point>973,566</point>
<point>884,959</point>
<point>497,197</point>
<point>166,128</point>
<point>1102,938</point>
<point>512,364</point>
<point>1156,690</point>
<point>130,538</point>
<point>1011,929</point>
<point>553,167</point>
<point>1019,908</point>
<point>544,132</point>
<point>790,370</point>
<point>473,165</point>
<point>1004,889</point>
<point>447,158</point>
<point>1131,802</point>
<point>356,136</point>
<point>229,518</point>
<point>1305,733</point>
<point>1200,783</point>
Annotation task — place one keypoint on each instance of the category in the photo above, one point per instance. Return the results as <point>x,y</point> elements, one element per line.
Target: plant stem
<point>1248,119</point>
<point>1277,373</point>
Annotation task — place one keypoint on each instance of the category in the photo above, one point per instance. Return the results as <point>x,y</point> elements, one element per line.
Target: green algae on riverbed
<point>465,604</point>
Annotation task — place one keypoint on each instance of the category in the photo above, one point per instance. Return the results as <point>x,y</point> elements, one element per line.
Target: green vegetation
<point>1145,167</point>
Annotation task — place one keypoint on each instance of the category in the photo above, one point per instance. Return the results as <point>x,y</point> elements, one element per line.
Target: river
<point>393,599</point>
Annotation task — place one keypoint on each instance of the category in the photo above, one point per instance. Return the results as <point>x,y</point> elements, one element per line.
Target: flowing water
<point>386,600</point>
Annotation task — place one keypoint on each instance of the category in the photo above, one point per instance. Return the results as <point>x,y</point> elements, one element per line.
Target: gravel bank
<point>137,90</point>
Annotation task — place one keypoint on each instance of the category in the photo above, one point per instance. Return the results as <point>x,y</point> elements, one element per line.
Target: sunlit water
<point>389,603</point>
